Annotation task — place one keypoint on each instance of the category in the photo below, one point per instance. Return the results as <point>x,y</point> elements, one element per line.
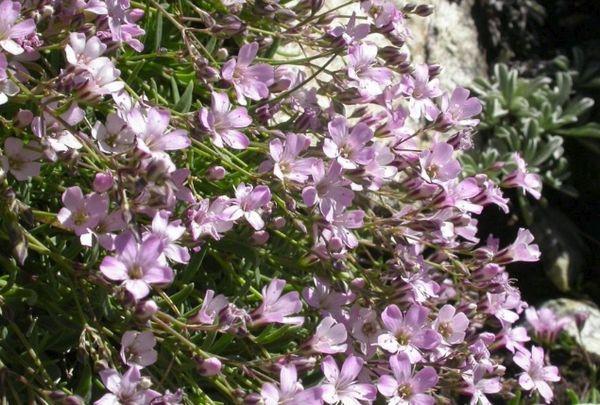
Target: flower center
<point>404,391</point>
<point>403,338</point>
<point>445,329</point>
<point>135,272</point>
<point>80,218</point>
<point>369,329</point>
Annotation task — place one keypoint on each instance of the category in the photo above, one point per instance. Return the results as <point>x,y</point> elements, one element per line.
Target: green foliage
<point>530,116</point>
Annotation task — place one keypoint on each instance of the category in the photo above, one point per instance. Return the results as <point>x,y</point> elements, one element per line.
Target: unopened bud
<point>278,222</point>
<point>580,318</point>
<point>393,55</point>
<point>24,118</point>
<point>260,237</point>
<point>209,367</point>
<point>221,54</point>
<point>434,70</point>
<point>145,309</point>
<point>103,182</point>
<point>216,172</point>
<point>424,10</point>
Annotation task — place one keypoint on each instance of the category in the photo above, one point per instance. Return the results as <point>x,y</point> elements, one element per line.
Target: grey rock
<point>590,334</point>
<point>449,37</point>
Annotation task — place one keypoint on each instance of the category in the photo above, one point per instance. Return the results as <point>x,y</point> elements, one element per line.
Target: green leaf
<point>175,90</point>
<point>185,102</point>
<point>84,386</point>
<point>578,107</point>
<point>589,130</point>
<point>159,32</point>
<point>182,294</point>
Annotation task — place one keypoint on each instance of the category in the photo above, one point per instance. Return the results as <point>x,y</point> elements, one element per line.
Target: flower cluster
<point>317,204</point>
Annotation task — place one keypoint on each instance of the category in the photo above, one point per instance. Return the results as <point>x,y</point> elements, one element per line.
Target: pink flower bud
<point>358,283</point>
<point>216,172</point>
<point>24,118</point>
<point>103,182</point>
<point>209,367</point>
<point>260,237</point>
<point>145,309</point>
<point>278,222</point>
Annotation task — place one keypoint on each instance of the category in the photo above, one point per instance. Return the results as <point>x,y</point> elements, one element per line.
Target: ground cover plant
<point>250,202</point>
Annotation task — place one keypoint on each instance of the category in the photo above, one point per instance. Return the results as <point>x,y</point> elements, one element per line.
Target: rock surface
<point>449,37</point>
<point>590,335</point>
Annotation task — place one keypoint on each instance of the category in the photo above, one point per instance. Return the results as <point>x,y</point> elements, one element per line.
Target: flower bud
<point>216,172</point>
<point>145,309</point>
<point>580,318</point>
<point>209,367</point>
<point>358,283</point>
<point>393,55</point>
<point>221,54</point>
<point>24,118</point>
<point>260,237</point>
<point>278,222</point>
<point>424,10</point>
<point>103,182</point>
<point>228,27</point>
<point>434,70</point>
<point>253,399</point>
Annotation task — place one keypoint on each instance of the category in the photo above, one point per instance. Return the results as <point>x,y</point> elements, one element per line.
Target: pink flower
<point>407,333</point>
<point>98,79</point>
<point>536,375</point>
<point>348,147</point>
<point>122,23</point>
<point>223,125</point>
<point>351,32</point>
<point>80,52</point>
<point>520,178</point>
<point>370,81</point>
<point>329,189</point>
<point>129,388</point>
<point>404,387</point>
<point>12,32</point>
<point>151,130</point>
<point>290,390</point>
<point>451,325</point>
<point>365,329</point>
<point>502,306</point>
<point>380,168</point>
<point>248,203</point>
<point>82,213</point>
<point>343,221</point>
<point>249,81</point>
<point>546,325</point>
<point>169,233</point>
<point>137,348</point>
<point>286,162</point>
<point>137,266</point>
<point>276,308</point>
<point>421,90</point>
<point>439,163</point>
<point>211,307</point>
<point>341,386</point>
<point>323,297</point>
<point>330,337</point>
<point>115,136</point>
<point>459,108</point>
<point>20,159</point>
<point>477,386</point>
<point>208,218</point>
<point>522,249</point>
<point>513,338</point>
